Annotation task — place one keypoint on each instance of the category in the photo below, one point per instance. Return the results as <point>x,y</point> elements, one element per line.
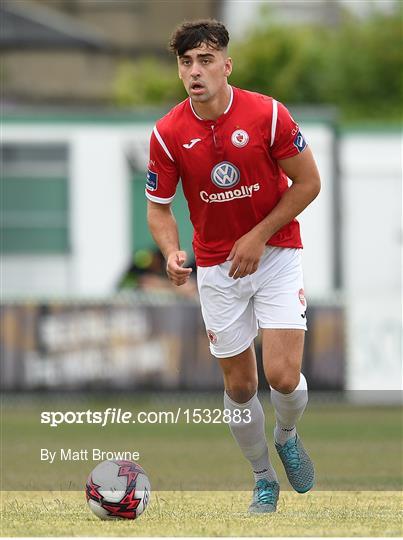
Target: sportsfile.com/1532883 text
<point>113,415</point>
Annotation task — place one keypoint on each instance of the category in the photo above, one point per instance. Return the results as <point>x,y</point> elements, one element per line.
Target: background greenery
<point>356,65</point>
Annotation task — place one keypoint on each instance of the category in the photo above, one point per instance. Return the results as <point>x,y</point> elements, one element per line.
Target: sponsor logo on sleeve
<point>299,142</point>
<point>152,180</point>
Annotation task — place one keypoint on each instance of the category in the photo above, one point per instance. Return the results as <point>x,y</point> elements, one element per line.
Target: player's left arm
<point>304,174</point>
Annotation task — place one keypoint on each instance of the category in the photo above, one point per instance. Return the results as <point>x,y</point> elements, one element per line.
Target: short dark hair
<point>191,34</point>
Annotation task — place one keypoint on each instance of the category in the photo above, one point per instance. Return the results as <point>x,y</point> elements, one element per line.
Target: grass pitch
<point>208,514</point>
<point>353,448</point>
<point>357,454</point>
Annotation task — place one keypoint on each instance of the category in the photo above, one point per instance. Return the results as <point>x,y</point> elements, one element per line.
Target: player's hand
<point>176,273</point>
<point>245,255</point>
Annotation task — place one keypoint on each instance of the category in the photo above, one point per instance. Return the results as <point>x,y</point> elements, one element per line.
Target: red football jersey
<point>228,168</point>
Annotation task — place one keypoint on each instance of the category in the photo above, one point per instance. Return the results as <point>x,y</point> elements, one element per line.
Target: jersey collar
<point>231,98</point>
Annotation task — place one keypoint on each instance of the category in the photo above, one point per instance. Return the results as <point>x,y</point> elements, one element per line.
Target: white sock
<point>289,409</point>
<point>251,437</point>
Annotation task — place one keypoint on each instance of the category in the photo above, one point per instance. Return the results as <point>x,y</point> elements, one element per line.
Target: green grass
<point>354,448</point>
<point>357,453</point>
<point>208,514</point>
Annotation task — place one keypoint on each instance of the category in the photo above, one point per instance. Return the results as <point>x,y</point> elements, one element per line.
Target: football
<point>118,490</point>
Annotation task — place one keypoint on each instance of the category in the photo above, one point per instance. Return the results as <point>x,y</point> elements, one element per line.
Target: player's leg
<point>240,382</point>
<point>247,424</point>
<point>280,307</point>
<point>231,328</point>
<point>282,356</point>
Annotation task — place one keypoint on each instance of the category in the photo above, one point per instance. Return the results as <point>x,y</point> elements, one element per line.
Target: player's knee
<point>284,382</point>
<point>241,392</point>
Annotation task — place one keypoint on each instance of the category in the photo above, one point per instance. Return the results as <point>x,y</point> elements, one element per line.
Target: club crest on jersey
<point>152,180</point>
<point>299,142</point>
<point>301,296</point>
<point>225,175</point>
<point>239,138</point>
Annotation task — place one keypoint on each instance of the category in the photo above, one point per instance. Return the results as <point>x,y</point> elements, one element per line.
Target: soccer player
<point>233,151</point>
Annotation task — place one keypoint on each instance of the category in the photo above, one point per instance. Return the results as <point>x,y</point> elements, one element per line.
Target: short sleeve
<point>286,138</point>
<point>162,174</point>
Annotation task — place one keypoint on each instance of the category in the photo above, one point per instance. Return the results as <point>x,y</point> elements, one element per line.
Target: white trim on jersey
<point>226,110</point>
<point>230,100</point>
<point>161,141</point>
<point>274,121</point>
<point>193,111</point>
<point>159,200</point>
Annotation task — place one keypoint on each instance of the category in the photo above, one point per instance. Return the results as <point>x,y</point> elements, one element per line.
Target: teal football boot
<point>265,497</point>
<point>297,464</point>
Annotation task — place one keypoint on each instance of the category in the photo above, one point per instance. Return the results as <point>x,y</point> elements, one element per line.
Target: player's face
<point>204,72</point>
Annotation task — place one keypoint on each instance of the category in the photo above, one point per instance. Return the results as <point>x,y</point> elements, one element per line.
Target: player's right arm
<point>162,225</point>
<point>162,179</point>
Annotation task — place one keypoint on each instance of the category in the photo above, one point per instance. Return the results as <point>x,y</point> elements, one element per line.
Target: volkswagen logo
<point>225,175</point>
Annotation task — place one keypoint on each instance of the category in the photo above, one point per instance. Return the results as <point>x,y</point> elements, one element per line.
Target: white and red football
<point>118,490</point>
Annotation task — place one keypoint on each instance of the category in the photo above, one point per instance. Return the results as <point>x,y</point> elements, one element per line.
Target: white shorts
<point>272,297</point>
